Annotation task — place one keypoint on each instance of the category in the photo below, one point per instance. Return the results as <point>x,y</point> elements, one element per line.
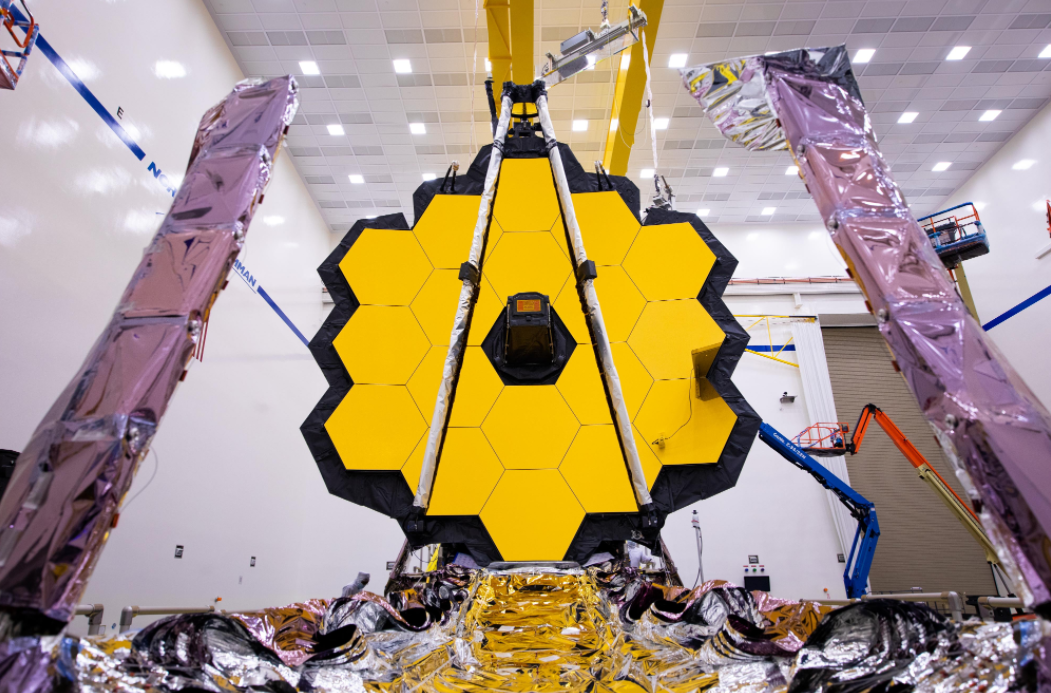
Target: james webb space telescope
<point>530,371</point>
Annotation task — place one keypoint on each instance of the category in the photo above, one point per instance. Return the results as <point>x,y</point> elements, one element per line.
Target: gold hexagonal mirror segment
<point>529,462</point>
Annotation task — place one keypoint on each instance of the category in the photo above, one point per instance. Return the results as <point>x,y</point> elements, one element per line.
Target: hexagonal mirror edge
<point>383,491</point>
<point>679,487</point>
<point>469,182</point>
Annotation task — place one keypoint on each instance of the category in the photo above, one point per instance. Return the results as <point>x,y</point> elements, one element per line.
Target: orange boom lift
<point>832,439</point>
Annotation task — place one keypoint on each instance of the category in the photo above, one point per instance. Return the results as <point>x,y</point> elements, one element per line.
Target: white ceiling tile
<point>254,53</point>
<point>231,6</point>
<point>239,22</point>
<point>367,56</point>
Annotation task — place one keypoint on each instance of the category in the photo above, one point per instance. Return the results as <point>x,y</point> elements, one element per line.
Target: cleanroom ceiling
<point>967,103</point>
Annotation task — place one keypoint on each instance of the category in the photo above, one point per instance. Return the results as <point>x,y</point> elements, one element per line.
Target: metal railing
<point>1001,602</point>
<point>128,613</point>
<point>952,599</point>
<point>94,612</point>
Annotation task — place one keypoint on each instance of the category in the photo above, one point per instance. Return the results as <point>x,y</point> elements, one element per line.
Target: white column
<point>821,408</point>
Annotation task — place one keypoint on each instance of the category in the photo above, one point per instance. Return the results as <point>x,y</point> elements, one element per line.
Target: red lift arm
<point>831,439</point>
<point>914,456</point>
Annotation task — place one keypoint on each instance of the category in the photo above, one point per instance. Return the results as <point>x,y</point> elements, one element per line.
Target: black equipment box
<point>529,339</point>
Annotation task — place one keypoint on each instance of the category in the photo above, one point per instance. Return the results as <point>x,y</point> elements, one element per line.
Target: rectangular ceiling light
<point>908,117</point>
<point>418,128</point>
<point>309,67</point>
<point>429,176</point>
<point>958,53</point>
<point>769,211</point>
<point>580,126</point>
<point>403,67</point>
<point>356,178</point>
<point>660,123</point>
<point>677,60</point>
<point>646,173</point>
<point>941,166</point>
<point>1046,53</point>
<point>336,130</point>
<point>792,171</point>
<point>703,212</point>
<point>864,55</point>
<point>1024,165</point>
<point>720,172</point>
<point>989,115</point>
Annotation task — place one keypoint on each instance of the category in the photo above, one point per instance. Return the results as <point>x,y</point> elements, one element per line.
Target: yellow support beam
<point>627,99</point>
<point>522,41</point>
<point>498,22</point>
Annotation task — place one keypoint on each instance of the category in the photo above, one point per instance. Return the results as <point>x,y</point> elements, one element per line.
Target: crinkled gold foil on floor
<point>524,630</point>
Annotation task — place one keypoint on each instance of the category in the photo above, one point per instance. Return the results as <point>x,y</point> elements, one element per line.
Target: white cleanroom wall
<point>776,511</point>
<point>1011,191</point>
<point>235,478</point>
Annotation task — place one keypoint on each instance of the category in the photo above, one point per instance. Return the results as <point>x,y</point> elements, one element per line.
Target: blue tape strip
<point>83,90</point>
<point>1039,296</point>
<point>281,313</point>
<point>773,349</point>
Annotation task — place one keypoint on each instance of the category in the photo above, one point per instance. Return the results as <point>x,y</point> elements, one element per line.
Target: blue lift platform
<point>956,233</point>
<point>12,20</point>
<point>859,563</point>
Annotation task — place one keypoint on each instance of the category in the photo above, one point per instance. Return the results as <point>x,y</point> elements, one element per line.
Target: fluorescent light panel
<point>677,60</point>
<point>336,130</point>
<point>908,117</point>
<point>646,173</point>
<point>864,55</point>
<point>356,178</point>
<point>660,123</point>
<point>941,166</point>
<point>429,176</point>
<point>989,115</point>
<point>580,126</point>
<point>720,172</point>
<point>792,171</point>
<point>1046,53</point>
<point>309,67</point>
<point>703,212</point>
<point>958,53</point>
<point>1023,165</point>
<point>403,66</point>
<point>418,128</point>
<point>769,211</point>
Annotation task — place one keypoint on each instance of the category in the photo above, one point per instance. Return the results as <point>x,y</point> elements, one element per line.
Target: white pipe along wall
<point>235,479</point>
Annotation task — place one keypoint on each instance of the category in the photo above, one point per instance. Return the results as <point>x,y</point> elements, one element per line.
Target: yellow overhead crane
<point>511,48</point>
